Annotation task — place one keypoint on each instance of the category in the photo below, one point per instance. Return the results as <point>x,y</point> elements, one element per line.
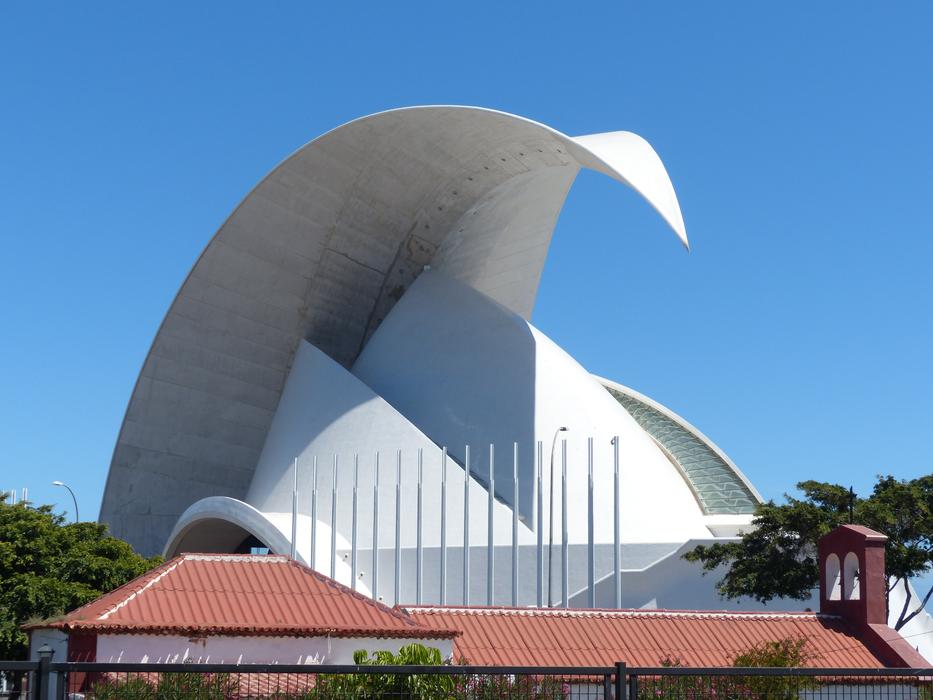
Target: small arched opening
<point>833,578</point>
<point>851,584</point>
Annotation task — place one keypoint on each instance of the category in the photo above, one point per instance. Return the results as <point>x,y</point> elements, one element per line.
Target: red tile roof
<point>242,594</point>
<point>532,637</point>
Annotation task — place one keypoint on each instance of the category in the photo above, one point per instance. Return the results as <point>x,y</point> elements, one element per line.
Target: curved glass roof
<point>718,488</point>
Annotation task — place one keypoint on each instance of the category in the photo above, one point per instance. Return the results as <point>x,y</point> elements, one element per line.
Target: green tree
<point>48,568</point>
<point>778,556</point>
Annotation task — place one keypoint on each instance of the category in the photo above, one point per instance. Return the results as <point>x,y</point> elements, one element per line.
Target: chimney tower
<point>853,586</point>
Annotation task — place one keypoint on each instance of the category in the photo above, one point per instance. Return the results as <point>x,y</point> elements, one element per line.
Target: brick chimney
<point>853,586</point>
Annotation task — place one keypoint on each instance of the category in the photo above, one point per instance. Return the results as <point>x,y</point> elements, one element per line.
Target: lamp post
<point>550,534</point>
<point>59,483</point>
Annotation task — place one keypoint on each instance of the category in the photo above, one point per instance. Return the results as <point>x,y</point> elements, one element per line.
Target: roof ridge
<point>133,585</point>
<point>608,612</point>
<point>259,558</point>
<point>178,561</point>
<point>264,630</point>
<point>397,612</point>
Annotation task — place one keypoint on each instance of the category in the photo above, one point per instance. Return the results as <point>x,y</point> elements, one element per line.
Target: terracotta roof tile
<point>242,594</point>
<point>530,637</point>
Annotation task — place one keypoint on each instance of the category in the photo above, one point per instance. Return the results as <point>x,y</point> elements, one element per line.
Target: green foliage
<point>778,557</point>
<point>370,686</point>
<point>132,688</point>
<point>362,686</point>
<point>413,654</point>
<point>167,686</point>
<point>377,685</point>
<point>48,568</point>
<point>782,653</point>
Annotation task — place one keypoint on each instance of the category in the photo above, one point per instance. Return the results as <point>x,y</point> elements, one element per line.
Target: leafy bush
<point>373,686</point>
<point>166,686</point>
<point>131,688</point>
<point>368,686</point>
<point>783,653</point>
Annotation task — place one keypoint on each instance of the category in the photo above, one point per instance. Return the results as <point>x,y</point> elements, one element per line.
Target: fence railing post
<point>42,685</point>
<point>621,681</point>
<point>607,687</point>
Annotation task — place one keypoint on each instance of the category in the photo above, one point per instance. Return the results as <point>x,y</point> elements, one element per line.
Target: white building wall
<point>163,648</point>
<point>57,641</point>
<point>325,410</point>
<point>466,370</point>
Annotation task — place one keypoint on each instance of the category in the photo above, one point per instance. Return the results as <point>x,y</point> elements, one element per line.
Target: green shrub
<point>370,686</point>
<point>358,686</point>
<point>166,686</point>
<point>132,688</point>
<point>373,686</point>
<point>783,653</point>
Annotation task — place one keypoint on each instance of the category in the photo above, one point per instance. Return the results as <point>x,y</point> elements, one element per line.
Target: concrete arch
<point>219,524</point>
<point>320,250</point>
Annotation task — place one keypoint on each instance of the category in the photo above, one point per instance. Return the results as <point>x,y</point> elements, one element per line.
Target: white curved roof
<point>321,249</point>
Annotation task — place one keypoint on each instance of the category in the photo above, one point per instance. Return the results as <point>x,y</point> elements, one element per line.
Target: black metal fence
<point>44,680</point>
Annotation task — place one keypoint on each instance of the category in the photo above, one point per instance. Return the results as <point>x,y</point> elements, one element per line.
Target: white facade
<point>371,296</point>
<point>320,251</point>
<point>172,649</point>
<point>369,300</point>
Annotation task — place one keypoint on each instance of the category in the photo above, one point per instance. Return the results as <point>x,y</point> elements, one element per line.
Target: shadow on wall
<point>461,368</point>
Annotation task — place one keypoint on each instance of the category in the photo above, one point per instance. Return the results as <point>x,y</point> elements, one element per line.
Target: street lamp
<point>550,534</point>
<point>59,483</point>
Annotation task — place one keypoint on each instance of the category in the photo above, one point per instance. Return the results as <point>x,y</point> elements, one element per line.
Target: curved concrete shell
<point>321,250</point>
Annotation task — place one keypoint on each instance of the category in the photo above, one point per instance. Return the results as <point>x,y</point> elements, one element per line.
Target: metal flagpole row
<point>616,530</point>
<point>295,512</point>
<point>354,544</point>
<point>466,527</point>
<point>333,523</point>
<point>490,513</point>
<point>591,529</point>
<point>565,549</point>
<point>398,526</point>
<point>540,557</point>
<point>314,513</point>
<point>376,531</point>
<point>537,491</point>
<point>419,563</point>
<point>443,592</point>
<point>514,524</point>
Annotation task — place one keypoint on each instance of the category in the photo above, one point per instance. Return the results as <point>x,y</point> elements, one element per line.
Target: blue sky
<point>797,333</point>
